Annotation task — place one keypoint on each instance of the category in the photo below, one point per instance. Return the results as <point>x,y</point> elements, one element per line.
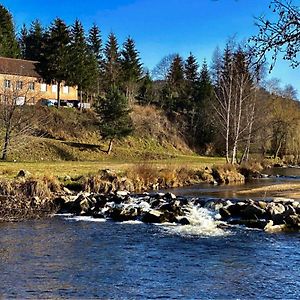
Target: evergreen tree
<point>112,64</point>
<point>8,42</point>
<point>131,68</point>
<point>95,42</point>
<point>192,78</point>
<point>191,69</point>
<point>205,84</point>
<point>176,73</point>
<point>55,60</point>
<point>204,108</point>
<point>34,41</point>
<point>96,49</point>
<point>174,90</point>
<point>146,94</point>
<point>114,118</point>
<point>79,71</point>
<point>23,41</point>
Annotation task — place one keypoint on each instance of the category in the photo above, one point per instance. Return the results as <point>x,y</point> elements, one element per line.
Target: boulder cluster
<point>276,215</point>
<point>280,214</point>
<point>121,206</point>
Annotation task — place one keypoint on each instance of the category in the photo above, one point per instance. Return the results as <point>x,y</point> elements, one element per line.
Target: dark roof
<point>19,67</point>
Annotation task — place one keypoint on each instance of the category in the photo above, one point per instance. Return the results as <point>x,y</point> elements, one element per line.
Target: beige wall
<point>40,90</point>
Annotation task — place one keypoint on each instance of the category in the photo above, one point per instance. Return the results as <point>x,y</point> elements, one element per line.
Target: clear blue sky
<point>160,27</point>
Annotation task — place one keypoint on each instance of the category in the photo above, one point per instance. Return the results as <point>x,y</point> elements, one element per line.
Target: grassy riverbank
<point>77,168</point>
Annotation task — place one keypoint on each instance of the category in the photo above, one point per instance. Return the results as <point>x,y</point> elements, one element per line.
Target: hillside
<point>67,134</point>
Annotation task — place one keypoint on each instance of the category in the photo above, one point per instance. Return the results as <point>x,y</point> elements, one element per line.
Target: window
<point>54,88</point>
<point>43,87</point>
<point>66,89</point>
<point>31,86</point>
<point>7,84</point>
<point>19,85</point>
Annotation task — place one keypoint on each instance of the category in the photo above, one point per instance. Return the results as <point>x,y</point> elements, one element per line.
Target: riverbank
<point>26,196</point>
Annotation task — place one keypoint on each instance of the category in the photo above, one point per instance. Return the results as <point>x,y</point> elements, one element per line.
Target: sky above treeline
<point>161,27</point>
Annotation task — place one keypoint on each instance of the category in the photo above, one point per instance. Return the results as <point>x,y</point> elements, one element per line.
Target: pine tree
<point>34,41</point>
<point>23,41</point>
<point>78,56</point>
<point>112,64</point>
<point>55,60</point>
<point>96,49</point>
<point>131,68</point>
<point>192,78</point>
<point>174,90</point>
<point>9,46</point>
<point>191,69</point>
<point>176,72</point>
<point>146,94</point>
<point>95,42</point>
<point>114,118</point>
<point>205,85</point>
<point>204,121</point>
<point>82,70</point>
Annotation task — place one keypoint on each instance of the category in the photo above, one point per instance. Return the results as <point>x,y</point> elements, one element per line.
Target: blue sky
<point>160,27</point>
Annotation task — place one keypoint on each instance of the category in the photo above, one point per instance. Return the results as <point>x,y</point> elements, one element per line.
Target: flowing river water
<point>81,257</point>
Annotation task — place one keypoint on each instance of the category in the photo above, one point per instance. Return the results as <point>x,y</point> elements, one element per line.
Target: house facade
<point>21,79</point>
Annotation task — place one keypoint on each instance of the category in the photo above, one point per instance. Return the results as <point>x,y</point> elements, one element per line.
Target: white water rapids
<point>202,222</point>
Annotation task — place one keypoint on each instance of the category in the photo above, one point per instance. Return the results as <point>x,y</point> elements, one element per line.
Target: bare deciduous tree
<point>235,102</point>
<point>161,70</point>
<point>281,35</point>
<point>15,119</point>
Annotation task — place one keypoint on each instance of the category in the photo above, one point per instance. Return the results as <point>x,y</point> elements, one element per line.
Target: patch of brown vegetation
<point>150,121</point>
<point>227,173</point>
<point>27,198</point>
<point>251,169</point>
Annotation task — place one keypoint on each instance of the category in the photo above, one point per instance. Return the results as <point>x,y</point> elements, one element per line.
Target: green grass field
<point>76,168</point>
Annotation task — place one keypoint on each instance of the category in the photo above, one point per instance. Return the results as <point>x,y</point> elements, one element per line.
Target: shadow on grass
<point>83,146</point>
<point>62,153</point>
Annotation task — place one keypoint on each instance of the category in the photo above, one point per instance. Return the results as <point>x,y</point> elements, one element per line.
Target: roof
<point>19,67</point>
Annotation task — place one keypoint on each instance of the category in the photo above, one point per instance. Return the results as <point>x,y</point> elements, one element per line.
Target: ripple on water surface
<point>78,258</point>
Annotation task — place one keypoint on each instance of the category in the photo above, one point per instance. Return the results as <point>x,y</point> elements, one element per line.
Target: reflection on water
<point>62,258</point>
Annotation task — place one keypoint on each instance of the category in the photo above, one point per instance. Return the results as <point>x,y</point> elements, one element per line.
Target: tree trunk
<point>5,146</point>
<point>234,153</point>
<point>278,149</point>
<point>58,94</point>
<point>110,146</point>
<point>81,100</point>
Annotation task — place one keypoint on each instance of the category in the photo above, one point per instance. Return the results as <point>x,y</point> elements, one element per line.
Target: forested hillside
<point>224,107</point>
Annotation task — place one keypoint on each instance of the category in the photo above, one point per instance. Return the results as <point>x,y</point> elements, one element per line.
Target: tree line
<point>224,108</point>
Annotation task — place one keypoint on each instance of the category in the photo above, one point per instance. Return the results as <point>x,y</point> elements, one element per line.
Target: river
<point>78,257</point>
